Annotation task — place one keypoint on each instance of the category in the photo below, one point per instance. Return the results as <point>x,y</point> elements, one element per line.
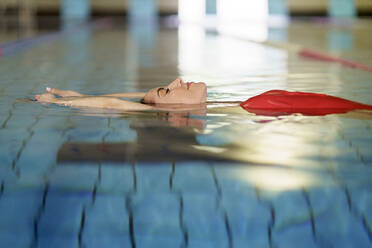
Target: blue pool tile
<point>120,131</point>
<point>87,129</point>
<point>31,181</point>
<point>62,215</point>
<point>18,212</point>
<point>107,240</point>
<point>155,217</point>
<point>354,175</point>
<point>116,178</point>
<point>248,219</point>
<point>229,181</point>
<point>88,121</point>
<point>13,135</point>
<point>11,145</point>
<point>10,238</point>
<point>158,240</point>
<point>107,223</point>
<point>120,136</point>
<point>13,213</point>
<point>252,241</point>
<point>361,201</point>
<point>208,242</point>
<point>58,241</point>
<point>107,216</point>
<point>356,132</point>
<point>74,177</point>
<point>293,223</point>
<point>204,221</point>
<point>194,177</point>
<point>20,120</point>
<point>294,235</point>
<point>4,117</point>
<point>39,152</point>
<point>49,121</point>
<point>7,175</point>
<point>86,134</point>
<point>335,225</point>
<point>290,209</point>
<point>19,123</point>
<point>153,177</point>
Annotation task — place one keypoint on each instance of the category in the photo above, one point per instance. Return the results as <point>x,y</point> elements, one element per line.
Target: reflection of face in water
<point>161,136</point>
<point>188,119</point>
<point>169,131</point>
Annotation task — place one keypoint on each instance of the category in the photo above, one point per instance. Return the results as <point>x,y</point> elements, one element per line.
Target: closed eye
<point>158,91</point>
<point>161,92</point>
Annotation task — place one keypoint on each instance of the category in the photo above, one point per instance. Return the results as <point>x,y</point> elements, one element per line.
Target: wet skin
<point>177,92</point>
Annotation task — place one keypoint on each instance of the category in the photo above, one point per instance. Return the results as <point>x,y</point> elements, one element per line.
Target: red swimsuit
<point>279,102</point>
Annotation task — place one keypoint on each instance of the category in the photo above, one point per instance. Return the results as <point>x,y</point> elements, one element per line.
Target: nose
<point>176,83</point>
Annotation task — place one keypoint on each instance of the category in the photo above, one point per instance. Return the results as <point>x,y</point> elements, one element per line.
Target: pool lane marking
<point>315,55</point>
<point>311,54</point>
<point>303,52</point>
<point>13,47</point>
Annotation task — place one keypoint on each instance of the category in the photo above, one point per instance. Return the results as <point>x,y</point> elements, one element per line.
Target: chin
<point>204,94</point>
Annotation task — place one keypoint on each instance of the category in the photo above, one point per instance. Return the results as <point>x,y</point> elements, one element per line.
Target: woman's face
<point>178,92</point>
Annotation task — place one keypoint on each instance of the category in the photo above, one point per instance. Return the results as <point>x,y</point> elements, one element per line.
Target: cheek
<point>147,99</point>
<point>151,96</point>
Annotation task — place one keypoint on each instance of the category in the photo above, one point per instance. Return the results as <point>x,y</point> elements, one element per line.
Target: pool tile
<point>58,241</point>
<point>203,220</point>
<point>107,240</point>
<point>194,177</point>
<point>107,222</point>
<point>290,209</point>
<point>156,217</point>
<point>248,219</point>
<point>74,177</point>
<point>62,215</point>
<point>294,235</point>
<point>116,178</point>
<point>151,178</point>
<point>18,213</point>
<point>107,215</point>
<point>335,225</point>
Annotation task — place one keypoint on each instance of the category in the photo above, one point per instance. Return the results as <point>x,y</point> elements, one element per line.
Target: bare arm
<point>94,102</point>
<point>69,93</point>
<point>127,94</point>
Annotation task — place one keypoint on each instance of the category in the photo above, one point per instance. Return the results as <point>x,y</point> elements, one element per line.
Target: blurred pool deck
<point>224,178</point>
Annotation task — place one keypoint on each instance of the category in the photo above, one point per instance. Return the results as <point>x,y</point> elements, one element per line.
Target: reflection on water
<point>234,70</point>
<point>279,153</point>
<point>224,174</point>
<point>277,179</point>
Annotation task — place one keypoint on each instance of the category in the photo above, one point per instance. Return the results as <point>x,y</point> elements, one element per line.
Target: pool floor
<point>220,177</point>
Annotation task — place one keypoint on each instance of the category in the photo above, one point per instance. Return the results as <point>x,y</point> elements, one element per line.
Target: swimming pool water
<point>216,178</point>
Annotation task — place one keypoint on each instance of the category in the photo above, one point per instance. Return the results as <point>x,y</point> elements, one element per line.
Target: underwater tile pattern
<point>227,178</point>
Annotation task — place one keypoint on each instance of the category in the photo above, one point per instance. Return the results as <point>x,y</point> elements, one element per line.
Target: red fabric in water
<point>279,102</point>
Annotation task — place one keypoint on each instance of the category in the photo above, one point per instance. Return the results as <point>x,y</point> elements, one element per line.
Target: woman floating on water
<point>194,95</point>
<point>188,94</point>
